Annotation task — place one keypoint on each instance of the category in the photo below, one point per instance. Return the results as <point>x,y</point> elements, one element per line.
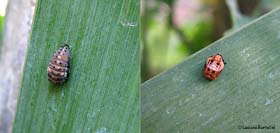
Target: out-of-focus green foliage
<point>199,34</point>
<point>164,47</point>
<point>167,43</point>
<point>169,2</point>
<point>1,29</point>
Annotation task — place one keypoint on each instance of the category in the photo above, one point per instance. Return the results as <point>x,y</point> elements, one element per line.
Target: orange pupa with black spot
<point>213,66</point>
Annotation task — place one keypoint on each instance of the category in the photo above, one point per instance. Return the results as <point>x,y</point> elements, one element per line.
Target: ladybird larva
<point>59,66</point>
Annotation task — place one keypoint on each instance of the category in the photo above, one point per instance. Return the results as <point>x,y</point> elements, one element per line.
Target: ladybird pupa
<point>213,66</point>
<point>59,65</point>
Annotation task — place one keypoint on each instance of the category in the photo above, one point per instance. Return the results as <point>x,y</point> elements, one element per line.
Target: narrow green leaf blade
<point>102,92</point>
<point>245,93</point>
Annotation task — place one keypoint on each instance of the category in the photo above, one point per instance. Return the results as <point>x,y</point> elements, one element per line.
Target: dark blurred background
<point>172,30</point>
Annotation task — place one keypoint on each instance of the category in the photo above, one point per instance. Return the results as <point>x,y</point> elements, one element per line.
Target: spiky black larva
<point>59,66</point>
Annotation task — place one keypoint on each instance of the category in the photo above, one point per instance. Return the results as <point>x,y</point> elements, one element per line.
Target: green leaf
<point>1,29</point>
<point>102,92</point>
<point>245,93</point>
